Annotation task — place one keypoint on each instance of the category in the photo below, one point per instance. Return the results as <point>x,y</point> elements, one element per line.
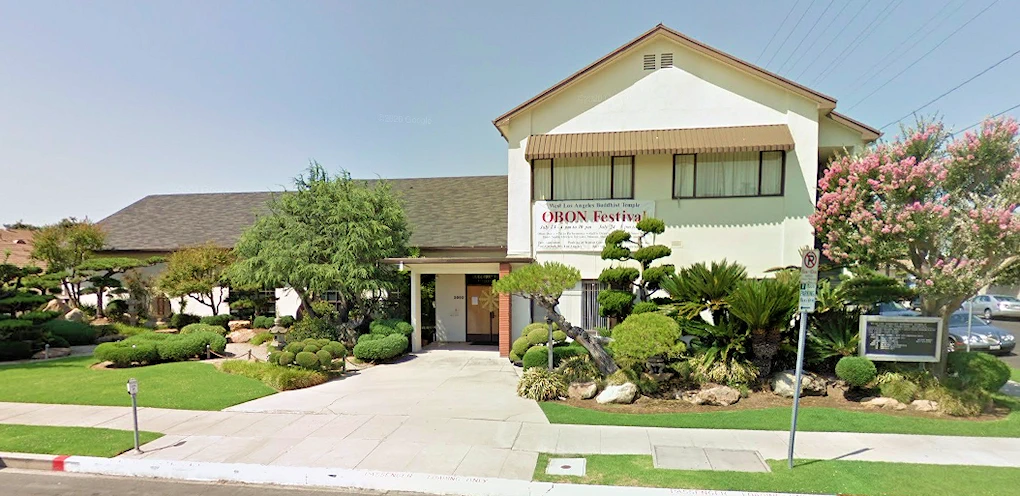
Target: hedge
<point>275,376</point>
<point>391,326</point>
<point>203,327</point>
<point>263,322</point>
<point>538,356</point>
<point>380,348</point>
<point>154,347</point>
<point>76,333</point>
<point>179,320</point>
<point>124,354</point>
<point>15,350</point>
<point>218,320</point>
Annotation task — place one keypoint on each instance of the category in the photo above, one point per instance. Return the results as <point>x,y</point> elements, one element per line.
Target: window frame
<point>612,180</point>
<point>761,166</point>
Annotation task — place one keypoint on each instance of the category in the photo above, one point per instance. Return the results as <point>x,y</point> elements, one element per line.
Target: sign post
<point>132,388</point>
<point>808,293</point>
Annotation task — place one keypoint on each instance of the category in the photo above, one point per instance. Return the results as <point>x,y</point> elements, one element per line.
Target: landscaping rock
<point>716,396</point>
<point>234,325</point>
<point>101,321</point>
<point>241,335</point>
<point>925,405</point>
<point>885,403</point>
<point>785,384</point>
<point>57,305</point>
<point>54,353</point>
<point>582,390</point>
<point>624,393</point>
<point>167,331</point>
<point>75,315</point>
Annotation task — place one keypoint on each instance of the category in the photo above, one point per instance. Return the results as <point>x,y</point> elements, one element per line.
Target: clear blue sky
<point>104,102</point>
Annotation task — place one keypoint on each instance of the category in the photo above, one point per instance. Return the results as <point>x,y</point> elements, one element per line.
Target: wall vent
<point>650,62</point>
<point>666,60</point>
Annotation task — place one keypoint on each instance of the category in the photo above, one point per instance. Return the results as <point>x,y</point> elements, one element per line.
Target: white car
<point>989,306</point>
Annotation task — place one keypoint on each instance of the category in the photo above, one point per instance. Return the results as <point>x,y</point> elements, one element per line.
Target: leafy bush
<point>537,336</point>
<point>391,326</point>
<point>218,320</point>
<point>901,390</point>
<point>116,309</point>
<point>559,336</point>
<point>56,341</point>
<point>275,376</point>
<point>260,338</point>
<point>325,358</point>
<point>263,322</point>
<point>323,350</point>
<point>187,346</point>
<point>15,350</point>
<point>312,328</point>
<point>833,335</point>
<point>644,307</point>
<point>578,369</point>
<point>536,357</point>
<point>125,354</point>
<point>979,370</point>
<point>285,358</point>
<point>380,347</point>
<point>541,385</point>
<point>76,333</point>
<point>179,320</point>
<point>520,347</point>
<point>645,335</point>
<point>202,327</point>
<point>958,403</point>
<point>856,371</point>
<point>37,318</point>
<point>307,359</point>
<point>124,329</point>
<point>287,321</point>
<point>615,302</point>
<point>563,352</point>
<point>310,347</point>
<point>295,347</point>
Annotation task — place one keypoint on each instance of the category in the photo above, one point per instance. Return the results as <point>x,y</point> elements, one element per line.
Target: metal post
<point>796,395</point>
<point>46,351</point>
<point>970,317</point>
<point>549,321</point>
<point>133,391</point>
<point>207,350</point>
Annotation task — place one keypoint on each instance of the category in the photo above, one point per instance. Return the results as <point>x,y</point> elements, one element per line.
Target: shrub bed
<point>312,354</point>
<point>275,376</point>
<point>535,334</point>
<point>376,347</point>
<point>152,348</point>
<point>538,356</point>
<point>391,326</point>
<point>76,333</point>
<point>202,327</point>
<point>980,370</point>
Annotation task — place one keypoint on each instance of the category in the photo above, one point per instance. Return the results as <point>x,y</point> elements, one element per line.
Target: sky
<point>105,102</point>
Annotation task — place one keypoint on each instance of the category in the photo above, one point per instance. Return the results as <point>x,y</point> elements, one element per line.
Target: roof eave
<point>868,133</point>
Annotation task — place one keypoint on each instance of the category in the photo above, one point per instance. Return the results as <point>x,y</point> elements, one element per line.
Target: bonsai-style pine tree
<point>199,271</point>
<point>617,301</point>
<point>63,247</point>
<point>102,274</point>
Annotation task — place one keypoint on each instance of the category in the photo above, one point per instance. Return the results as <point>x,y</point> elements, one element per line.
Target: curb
<point>335,478</point>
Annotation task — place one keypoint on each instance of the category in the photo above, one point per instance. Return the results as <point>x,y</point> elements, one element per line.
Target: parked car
<point>983,336</point>
<point>990,306</point>
<point>895,309</point>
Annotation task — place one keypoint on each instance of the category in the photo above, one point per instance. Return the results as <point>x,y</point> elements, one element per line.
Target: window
<point>266,302</point>
<point>586,178</point>
<point>729,174</point>
<point>590,317</point>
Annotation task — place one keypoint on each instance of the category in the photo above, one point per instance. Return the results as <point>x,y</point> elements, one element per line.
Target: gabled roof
<point>824,101</point>
<point>443,213</point>
<point>867,132</point>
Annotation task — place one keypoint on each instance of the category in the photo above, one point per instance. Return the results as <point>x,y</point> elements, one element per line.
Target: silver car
<point>989,306</point>
<point>983,337</point>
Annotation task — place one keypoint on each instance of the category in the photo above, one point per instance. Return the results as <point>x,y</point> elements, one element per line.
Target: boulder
<point>785,384</point>
<point>54,353</point>
<point>624,393</point>
<point>241,335</point>
<point>582,390</point>
<point>925,405</point>
<point>885,403</point>
<point>75,315</point>
<point>57,305</point>
<point>716,396</point>
<point>234,325</point>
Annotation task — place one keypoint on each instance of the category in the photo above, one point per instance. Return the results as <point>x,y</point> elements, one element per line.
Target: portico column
<point>416,309</point>
<point>505,316</point>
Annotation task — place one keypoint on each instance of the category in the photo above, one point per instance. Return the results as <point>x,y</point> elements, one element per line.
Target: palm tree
<point>766,306</point>
<point>701,287</point>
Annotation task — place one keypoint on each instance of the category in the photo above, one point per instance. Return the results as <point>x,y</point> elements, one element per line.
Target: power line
<point>801,42</point>
<point>788,33</point>
<point>912,64</point>
<point>882,16</point>
<point>763,50</point>
<point>1014,107</point>
<point>954,88</point>
<point>820,33</point>
<point>827,45</point>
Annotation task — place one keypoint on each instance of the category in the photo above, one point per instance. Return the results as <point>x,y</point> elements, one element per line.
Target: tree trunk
<point>212,303</point>
<point>100,290</point>
<point>947,311</point>
<point>598,353</point>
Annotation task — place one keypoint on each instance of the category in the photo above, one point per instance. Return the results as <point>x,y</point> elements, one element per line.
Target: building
<point>726,153</point>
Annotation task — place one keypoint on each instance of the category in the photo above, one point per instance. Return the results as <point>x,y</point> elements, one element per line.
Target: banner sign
<point>901,339</point>
<point>582,225</point>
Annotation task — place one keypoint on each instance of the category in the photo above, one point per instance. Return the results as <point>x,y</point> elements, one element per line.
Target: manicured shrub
<point>218,320</point>
<point>126,354</point>
<point>559,336</point>
<point>644,307</point>
<point>275,376</point>
<point>118,328</point>
<point>202,327</point>
<point>37,318</point>
<point>979,370</point>
<point>381,348</point>
<point>325,358</point>
<point>391,326</point>
<point>536,357</point>
<point>287,321</point>
<point>56,341</point>
<point>856,371</point>
<point>538,336</point>
<point>179,320</point>
<point>563,352</point>
<point>286,358</point>
<point>578,369</point>
<point>364,338</point>
<point>116,309</point>
<point>15,350</point>
<point>312,328</point>
<point>262,322</point>
<point>307,360</point>
<point>76,333</point>
<point>295,347</point>
<point>901,390</point>
<point>541,385</point>
<point>336,349</point>
<point>645,335</point>
<point>260,338</point>
<point>310,348</point>
<point>187,346</point>
<point>520,346</point>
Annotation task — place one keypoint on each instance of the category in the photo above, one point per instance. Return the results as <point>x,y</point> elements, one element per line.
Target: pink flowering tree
<point>941,209</point>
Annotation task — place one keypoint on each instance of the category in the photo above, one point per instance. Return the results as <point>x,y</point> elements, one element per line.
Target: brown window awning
<point>661,141</point>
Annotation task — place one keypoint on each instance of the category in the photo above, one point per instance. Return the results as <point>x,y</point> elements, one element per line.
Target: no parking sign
<point>808,280</point>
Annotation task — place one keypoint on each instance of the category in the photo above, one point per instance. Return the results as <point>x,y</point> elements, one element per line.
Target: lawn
<point>85,441</point>
<point>1015,375</point>
<point>181,385</point>
<point>811,419</point>
<point>818,476</point>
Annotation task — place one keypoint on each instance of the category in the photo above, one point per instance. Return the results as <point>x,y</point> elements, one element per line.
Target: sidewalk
<point>477,448</point>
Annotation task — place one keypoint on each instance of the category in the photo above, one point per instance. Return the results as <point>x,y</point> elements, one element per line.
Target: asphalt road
<point>35,483</point>
<point>1013,326</point>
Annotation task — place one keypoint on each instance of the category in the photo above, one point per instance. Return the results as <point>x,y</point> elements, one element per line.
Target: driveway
<point>450,381</point>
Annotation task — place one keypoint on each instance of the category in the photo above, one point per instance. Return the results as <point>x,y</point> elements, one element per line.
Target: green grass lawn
<point>181,385</point>
<point>1015,375</point>
<point>821,476</point>
<point>811,419</point>
<point>85,441</point>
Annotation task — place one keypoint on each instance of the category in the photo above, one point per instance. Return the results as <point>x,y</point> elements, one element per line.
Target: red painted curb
<point>58,463</point>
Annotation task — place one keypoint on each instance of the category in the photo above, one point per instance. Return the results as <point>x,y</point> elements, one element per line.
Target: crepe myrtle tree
<point>617,301</point>
<point>329,235</point>
<point>941,209</point>
<point>544,284</point>
<point>104,275</point>
<point>199,271</point>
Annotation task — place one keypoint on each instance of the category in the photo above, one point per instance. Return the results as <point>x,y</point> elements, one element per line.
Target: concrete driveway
<point>449,381</point>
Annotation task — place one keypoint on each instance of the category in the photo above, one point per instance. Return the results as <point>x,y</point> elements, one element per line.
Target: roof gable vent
<point>665,60</point>
<point>649,62</point>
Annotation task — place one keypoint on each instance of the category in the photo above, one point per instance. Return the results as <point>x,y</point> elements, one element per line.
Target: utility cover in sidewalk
<point>566,466</point>
<point>691,458</point>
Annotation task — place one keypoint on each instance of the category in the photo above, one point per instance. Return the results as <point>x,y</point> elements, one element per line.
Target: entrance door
<point>482,311</point>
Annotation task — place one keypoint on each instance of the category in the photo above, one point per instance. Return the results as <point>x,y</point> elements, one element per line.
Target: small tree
<point>617,301</point>
<point>941,210</point>
<point>544,284</point>
<point>63,247</point>
<point>102,274</point>
<point>199,271</point>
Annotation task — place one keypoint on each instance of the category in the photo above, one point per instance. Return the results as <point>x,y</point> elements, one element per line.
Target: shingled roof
<point>444,212</point>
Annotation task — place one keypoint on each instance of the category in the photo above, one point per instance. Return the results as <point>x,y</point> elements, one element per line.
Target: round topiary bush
<point>307,360</point>
<point>536,356</point>
<point>856,371</point>
<point>185,347</point>
<point>380,347</point>
<point>295,347</point>
<point>285,358</point>
<point>200,327</point>
<point>981,370</point>
<point>180,320</point>
<point>563,352</point>
<point>311,348</point>
<point>336,349</point>
<point>559,336</point>
<point>538,336</point>
<point>520,346</point>
<point>287,321</point>
<point>325,358</point>
<point>645,335</point>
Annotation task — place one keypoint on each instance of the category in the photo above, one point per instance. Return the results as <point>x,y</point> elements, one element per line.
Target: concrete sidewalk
<point>479,448</point>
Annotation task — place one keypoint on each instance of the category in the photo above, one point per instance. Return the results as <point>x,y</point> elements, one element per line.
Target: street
<point>1013,326</point>
<point>35,483</point>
